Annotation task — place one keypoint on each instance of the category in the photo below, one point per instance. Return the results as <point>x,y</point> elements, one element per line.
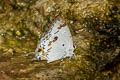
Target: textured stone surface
<point>94,25</point>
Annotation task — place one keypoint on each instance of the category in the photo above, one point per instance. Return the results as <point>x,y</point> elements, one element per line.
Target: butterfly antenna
<point>29,54</point>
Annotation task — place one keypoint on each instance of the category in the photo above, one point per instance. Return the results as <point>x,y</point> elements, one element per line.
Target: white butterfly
<point>56,44</point>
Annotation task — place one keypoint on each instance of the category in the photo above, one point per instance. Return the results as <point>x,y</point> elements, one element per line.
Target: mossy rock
<point>22,22</point>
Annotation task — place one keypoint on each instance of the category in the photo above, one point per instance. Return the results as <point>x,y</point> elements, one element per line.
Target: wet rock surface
<point>93,24</point>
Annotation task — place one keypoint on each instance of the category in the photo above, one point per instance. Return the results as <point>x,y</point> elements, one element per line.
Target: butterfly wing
<point>63,46</point>
<point>57,43</point>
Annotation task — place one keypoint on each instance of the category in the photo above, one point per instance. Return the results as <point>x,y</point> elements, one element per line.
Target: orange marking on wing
<point>40,50</point>
<point>50,43</point>
<point>62,25</point>
<point>55,38</point>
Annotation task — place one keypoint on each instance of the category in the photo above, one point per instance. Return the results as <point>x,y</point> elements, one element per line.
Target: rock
<point>93,24</point>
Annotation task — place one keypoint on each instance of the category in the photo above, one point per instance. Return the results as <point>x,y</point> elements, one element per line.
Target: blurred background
<point>95,28</point>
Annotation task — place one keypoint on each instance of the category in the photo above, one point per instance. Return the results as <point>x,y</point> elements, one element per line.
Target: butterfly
<point>56,44</point>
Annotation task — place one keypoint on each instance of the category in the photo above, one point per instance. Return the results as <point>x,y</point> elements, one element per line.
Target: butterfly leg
<point>61,62</point>
<point>63,57</point>
<point>70,59</point>
<point>74,56</point>
<point>70,56</point>
<point>36,59</point>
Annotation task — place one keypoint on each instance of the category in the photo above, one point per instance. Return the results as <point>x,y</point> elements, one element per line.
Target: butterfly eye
<point>40,50</point>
